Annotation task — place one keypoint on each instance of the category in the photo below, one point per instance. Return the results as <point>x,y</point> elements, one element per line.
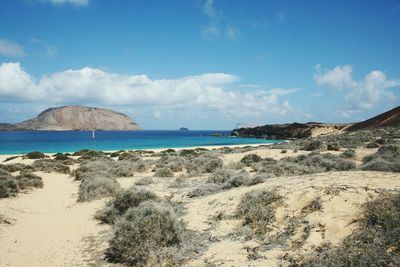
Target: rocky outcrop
<point>288,130</point>
<point>389,118</point>
<point>76,118</point>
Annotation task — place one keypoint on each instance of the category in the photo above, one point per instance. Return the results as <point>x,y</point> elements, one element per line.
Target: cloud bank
<point>362,95</point>
<point>9,48</point>
<point>65,2</point>
<point>208,93</point>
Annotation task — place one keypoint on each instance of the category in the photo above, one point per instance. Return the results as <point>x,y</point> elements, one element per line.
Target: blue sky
<point>202,64</point>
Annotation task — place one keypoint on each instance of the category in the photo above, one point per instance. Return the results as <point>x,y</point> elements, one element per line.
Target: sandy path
<point>49,228</point>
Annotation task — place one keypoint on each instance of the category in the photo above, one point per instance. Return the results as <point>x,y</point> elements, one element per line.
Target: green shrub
<point>143,233</point>
<point>257,210</point>
<point>125,199</point>
<point>333,146</point>
<point>97,187</point>
<point>349,153</point>
<point>35,155</point>
<point>249,159</point>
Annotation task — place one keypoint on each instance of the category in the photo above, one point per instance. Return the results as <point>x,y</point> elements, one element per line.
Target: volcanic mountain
<point>76,118</point>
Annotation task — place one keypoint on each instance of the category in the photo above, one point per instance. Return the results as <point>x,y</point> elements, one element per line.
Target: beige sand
<point>50,229</point>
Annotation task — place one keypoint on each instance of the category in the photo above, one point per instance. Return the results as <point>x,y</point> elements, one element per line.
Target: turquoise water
<point>69,141</point>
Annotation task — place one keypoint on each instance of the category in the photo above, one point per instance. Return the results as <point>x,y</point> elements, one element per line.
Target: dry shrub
<point>175,163</point>
<point>145,236</point>
<point>203,164</point>
<point>97,187</point>
<point>49,166</point>
<point>249,159</point>
<point>257,210</point>
<point>386,159</point>
<point>35,155</point>
<point>164,172</point>
<point>375,243</point>
<point>205,189</point>
<point>125,199</point>
<point>144,181</point>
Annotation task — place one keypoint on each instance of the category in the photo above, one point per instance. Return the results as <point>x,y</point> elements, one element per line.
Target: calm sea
<point>69,141</point>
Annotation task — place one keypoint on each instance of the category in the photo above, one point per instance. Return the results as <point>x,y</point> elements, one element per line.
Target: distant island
<point>183,129</point>
<point>80,118</point>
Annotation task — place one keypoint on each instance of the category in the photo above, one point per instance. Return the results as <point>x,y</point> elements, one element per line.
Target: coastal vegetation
<point>273,199</point>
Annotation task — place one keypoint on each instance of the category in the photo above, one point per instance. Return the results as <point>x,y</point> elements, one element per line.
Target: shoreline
<point>155,150</point>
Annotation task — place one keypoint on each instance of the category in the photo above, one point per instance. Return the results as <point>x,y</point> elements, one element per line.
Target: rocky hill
<point>312,129</point>
<point>288,130</point>
<point>76,118</point>
<point>389,118</point>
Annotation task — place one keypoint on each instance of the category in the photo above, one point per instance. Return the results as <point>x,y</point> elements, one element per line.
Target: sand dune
<point>48,227</point>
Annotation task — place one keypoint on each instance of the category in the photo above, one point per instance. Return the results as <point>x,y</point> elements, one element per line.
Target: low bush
<point>205,189</point>
<point>10,158</point>
<point>179,182</point>
<point>35,155</point>
<point>249,159</point>
<point>175,163</point>
<point>8,187</point>
<point>123,168</point>
<point>386,159</point>
<point>61,157</point>
<point>95,166</point>
<point>333,146</point>
<point>230,178</point>
<point>125,199</point>
<point>49,166</point>
<point>313,206</point>
<point>97,187</point>
<point>27,179</point>
<point>144,181</point>
<point>375,243</point>
<point>257,210</point>
<point>314,145</point>
<point>16,167</point>
<point>203,164</point>
<point>164,172</point>
<point>142,236</point>
<point>304,164</point>
<point>348,153</point>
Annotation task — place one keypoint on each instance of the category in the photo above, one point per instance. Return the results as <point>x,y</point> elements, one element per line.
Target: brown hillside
<point>389,118</point>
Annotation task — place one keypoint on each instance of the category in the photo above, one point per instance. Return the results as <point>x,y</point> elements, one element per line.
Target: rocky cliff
<point>288,130</point>
<point>76,118</point>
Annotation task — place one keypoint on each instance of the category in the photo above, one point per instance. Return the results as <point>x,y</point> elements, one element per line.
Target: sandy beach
<point>47,227</point>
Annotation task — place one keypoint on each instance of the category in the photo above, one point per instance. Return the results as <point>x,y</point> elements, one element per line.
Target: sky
<point>201,64</point>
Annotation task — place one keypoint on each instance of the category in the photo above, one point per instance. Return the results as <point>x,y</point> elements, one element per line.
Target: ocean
<point>16,142</point>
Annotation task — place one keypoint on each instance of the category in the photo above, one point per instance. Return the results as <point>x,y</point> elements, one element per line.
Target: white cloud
<point>8,48</point>
<point>64,2</point>
<point>360,95</point>
<point>208,8</point>
<point>231,33</point>
<point>217,26</point>
<point>197,94</point>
